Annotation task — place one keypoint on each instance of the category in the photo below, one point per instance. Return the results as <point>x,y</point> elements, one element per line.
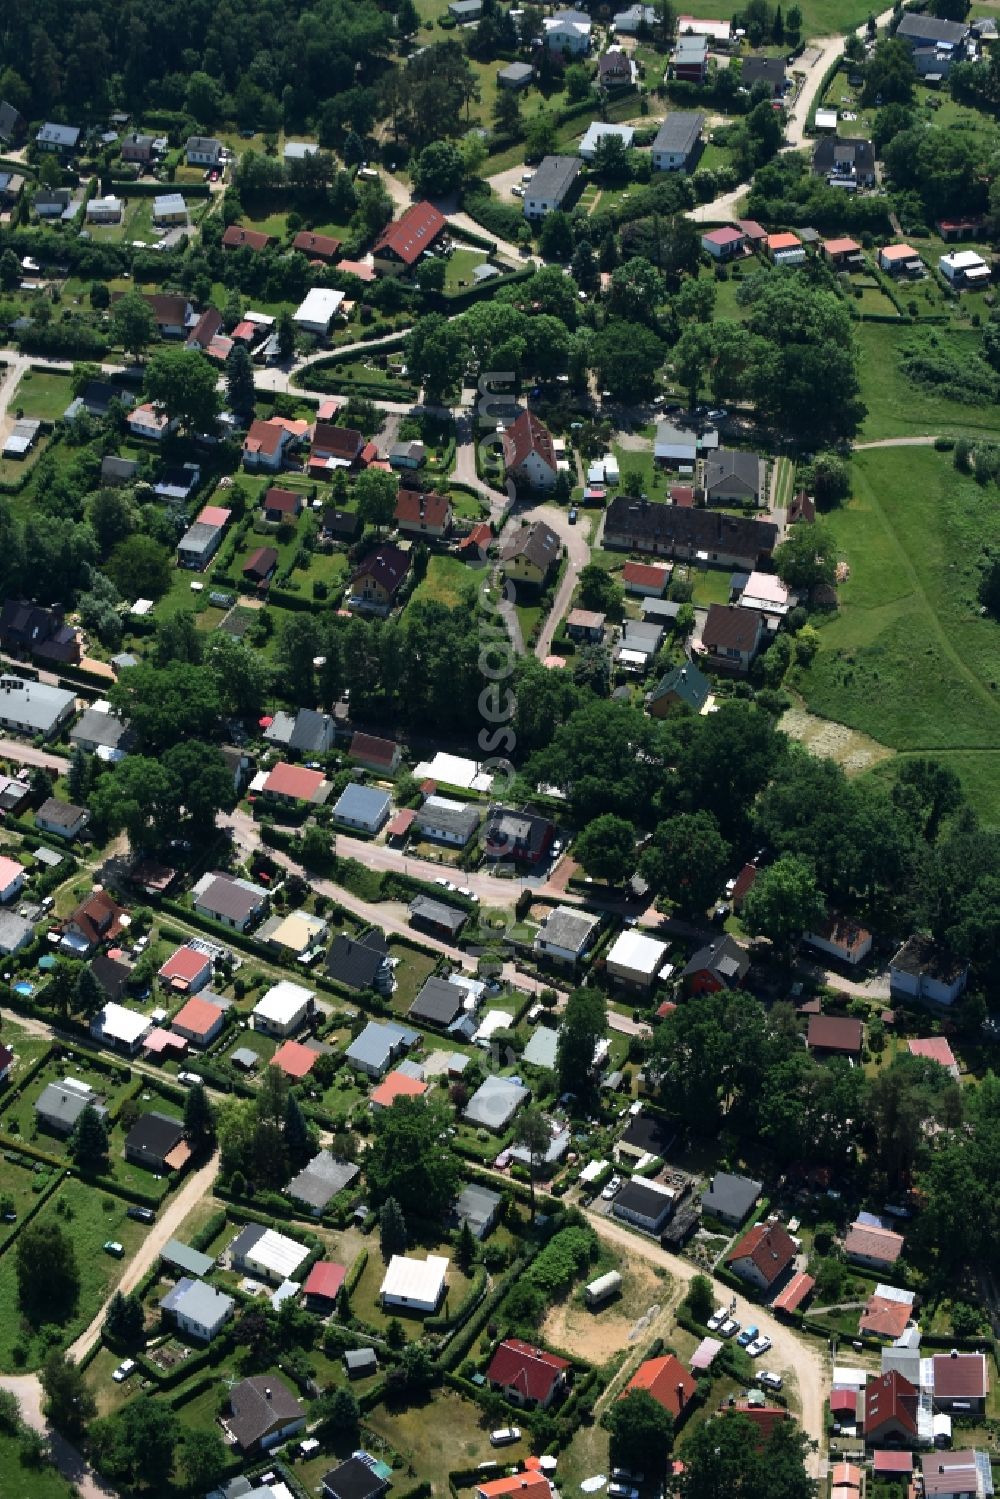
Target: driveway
<point>574,538</point>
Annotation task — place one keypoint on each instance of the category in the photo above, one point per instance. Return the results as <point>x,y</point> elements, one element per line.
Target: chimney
<point>267,1392</point>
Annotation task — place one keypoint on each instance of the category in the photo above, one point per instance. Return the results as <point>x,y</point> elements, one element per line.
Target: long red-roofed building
<point>401,244</point>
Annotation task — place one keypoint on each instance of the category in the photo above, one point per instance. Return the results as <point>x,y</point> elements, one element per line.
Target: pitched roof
<point>769,1247</point>
<point>890,1397</point>
<point>294,1059</point>
<point>260,563</point>
<point>764,1418</point>
<point>733,464</point>
<point>199,1016</point>
<point>373,750</point>
<point>961,1376</point>
<point>356,962</point>
<point>265,436</point>
<point>412,233</point>
<point>646,574</point>
<point>236,237</point>
<point>729,627</point>
<point>517,1365</point>
<point>339,442</point>
<point>260,1404</point>
<point>783,242</point>
<point>387,566</point>
<point>667,1380</point>
<point>321,246</point>
<point>699,529</point>
<point>324,1279</point>
<point>873,1243</point>
<point>98,918</point>
<point>293,780</point>
<point>538,543</point>
<point>183,966</point>
<point>885,1316</point>
<point>414,506</point>
<point>527,435</point>
<point>935,1049</point>
<point>679,132</point>
<point>733,1196</point>
<point>153,1136</point>
<point>284,501</point>
<point>724,957</point>
<point>397,1085</point>
<point>835,1033</point>
<point>793,1295</point>
<point>554,176</point>
<point>528,1485</point>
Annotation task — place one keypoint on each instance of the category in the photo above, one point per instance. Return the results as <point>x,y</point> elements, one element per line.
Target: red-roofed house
<point>764,1418</point>
<point>294,1059</point>
<point>835,1036</point>
<point>238,238</point>
<point>645,579</point>
<point>294,783</point>
<point>375,753</point>
<point>526,1485</point>
<point>267,443</point>
<point>844,1405</point>
<point>842,252</point>
<point>745,881</point>
<point>187,970</point>
<point>97,919</point>
<point>199,1021</point>
<point>396,1085</point>
<point>281,505</point>
<point>899,258</point>
<point>527,1375</point>
<point>260,565</point>
<point>356,268</point>
<point>846,1476</point>
<point>400,245</point>
<point>935,1049</point>
<point>878,1248</point>
<point>667,1380</point>
<point>473,548</point>
<point>529,453</point>
<point>961,1381</point>
<point>762,1256</point>
<point>317,246</point>
<point>797,1291</point>
<point>724,244</point>
<point>892,1465</point>
<point>334,447</point>
<point>890,1410</point>
<point>755,233</point>
<point>420,513</point>
<point>322,1285</point>
<point>785,249</point>
<point>887,1316</point>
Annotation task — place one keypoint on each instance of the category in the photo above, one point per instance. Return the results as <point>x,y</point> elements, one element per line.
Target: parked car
<point>747,1336</point>
<point>730,1327</point>
<point>517,190</point>
<point>504,1436</point>
<point>112,1246</point>
<point>717,414</point>
<point>125,1368</point>
<point>614,1186</point>
<point>192,1079</point>
<point>573,515</point>
<point>717,1318</point>
<point>141,1215</point>
<point>622,1491</point>
<point>769,1380</point>
<point>625,1475</point>
<point>758,1346</point>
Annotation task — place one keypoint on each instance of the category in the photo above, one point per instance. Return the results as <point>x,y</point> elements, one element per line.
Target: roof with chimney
<point>411,234</point>
<point>531,1371</point>
<point>769,1247</point>
<point>667,1380</point>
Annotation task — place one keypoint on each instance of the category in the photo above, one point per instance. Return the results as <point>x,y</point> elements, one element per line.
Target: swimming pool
<point>25,989</point>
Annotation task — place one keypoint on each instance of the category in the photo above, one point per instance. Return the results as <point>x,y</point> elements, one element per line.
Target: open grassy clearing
<point>448,580</point>
<point>39,1483</point>
<point>899,408</point>
<point>42,396</point>
<point>452,1434</point>
<point>908,659</point>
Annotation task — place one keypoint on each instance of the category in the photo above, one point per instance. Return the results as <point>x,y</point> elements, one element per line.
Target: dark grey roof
<point>438,1002</point>
<point>260,1405</point>
<point>354,1479</point>
<point>731,1196</point>
<point>356,962</point>
<point>554,177</point>
<point>438,914</point>
<point>916,27</point>
<point>762,69</point>
<point>679,132</point>
<point>321,1180</point>
<point>112,976</point>
<point>104,729</point>
<point>724,956</point>
<point>477,1207</point>
<point>648,525</point>
<point>439,814</point>
<point>120,469</point>
<point>245,1240</point>
<point>639,1197</point>
<point>60,814</point>
<point>730,464</point>
<point>687,683</point>
<point>11,120</point>
<point>153,1136</point>
<point>646,1133</point>
<point>831,151</point>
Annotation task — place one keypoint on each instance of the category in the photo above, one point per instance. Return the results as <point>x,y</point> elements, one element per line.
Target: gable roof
<point>770,1249</point>
<point>686,528</point>
<point>679,132</point>
<point>887,1316</point>
<point>438,1002</point>
<point>414,506</point>
<point>339,442</point>
<point>532,1372</point>
<point>733,1196</point>
<point>667,1380</point>
<point>398,1084</point>
<point>724,957</point>
<point>321,246</point>
<point>154,1136</point>
<point>924,28</point>
<point>759,68</point>
<point>356,961</point>
<point>294,1059</point>
<point>935,1049</point>
<point>260,563</point>
<point>324,1279</point>
<point>412,233</point>
<point>835,1033</point>
<point>728,627</point>
<point>555,175</point>
<point>236,237</point>
<point>199,1016</point>
<point>537,543</point>
<point>387,566</point>
<point>890,1397</point>
<point>98,918</point>
<point>873,1243</point>
<point>527,435</point>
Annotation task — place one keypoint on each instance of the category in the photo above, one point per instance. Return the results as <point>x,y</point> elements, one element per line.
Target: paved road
<point>577,556</point>
<point>896,442</point>
<point>26,754</point>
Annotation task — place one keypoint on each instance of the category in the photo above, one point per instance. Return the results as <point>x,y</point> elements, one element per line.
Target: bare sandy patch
<point>856,752</point>
<point>597,1335</point>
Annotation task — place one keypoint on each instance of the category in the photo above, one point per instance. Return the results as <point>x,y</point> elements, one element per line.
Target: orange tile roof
<point>397,1085</point>
<point>783,242</point>
<point>293,780</point>
<point>294,1059</point>
<point>198,1016</point>
<point>667,1380</point>
<point>534,1485</point>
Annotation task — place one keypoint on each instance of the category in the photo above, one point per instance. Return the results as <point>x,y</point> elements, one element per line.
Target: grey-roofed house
<point>199,545</point>
<point>357,1477</point>
<point>478,1207</point>
<point>730,1197</point>
<point>182,1257</point>
<point>495,1102</point>
<point>924,30</point>
<point>677,141</point>
<point>844,163</point>
<point>306,732</point>
<point>60,1104</point>
<point>204,151</point>
<point>446,821</point>
<point>359,1362</point>
<point>15,932</point>
<point>116,471</point>
<point>113,977</point>
<point>232,902</point>
<point>102,734</point>
<point>541,1049</point>
<point>565,934</point>
<point>360,962</point>
<point>197,1309</point>
<point>378,1045</point>
<point>64,819</point>
<point>320,1181</point>
<point>435,917</point>
<point>263,1412</point>
<point>33,707</point>
<point>550,186</point>
<point>733,477</point>
<point>364,808</point>
<point>516,76</point>
<point>245,1058</point>
<point>438,1003</point>
<point>683,686</point>
<point>721,964</point>
<point>152,1138</point>
<point>52,137</point>
<point>767,70</point>
<point>465,10</point>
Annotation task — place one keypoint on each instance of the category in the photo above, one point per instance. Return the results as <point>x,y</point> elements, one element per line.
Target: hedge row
<point>475,1294</point>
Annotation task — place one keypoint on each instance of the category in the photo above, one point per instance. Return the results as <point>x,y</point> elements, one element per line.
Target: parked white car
<point>127,1367</point>
<point>505,1435</point>
<point>758,1346</point>
<point>729,1328</point>
<point>613,1187</point>
<point>717,1318</point>
<point>769,1380</point>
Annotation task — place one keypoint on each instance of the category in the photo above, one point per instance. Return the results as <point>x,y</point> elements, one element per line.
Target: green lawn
<point>24,1186</point>
<point>38,1483</point>
<point>43,396</point>
<point>711,586</point>
<point>460,266</point>
<point>448,1433</point>
<point>899,408</point>
<point>414,969</point>
<point>448,580</point>
<point>19,1118</point>
<point>908,658</point>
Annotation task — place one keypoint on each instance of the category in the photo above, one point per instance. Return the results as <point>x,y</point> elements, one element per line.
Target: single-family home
<point>786,249</point>
<point>923,30</point>
<point>718,32</point>
<point>935,1049</point>
<point>722,964</point>
<point>266,1254</point>
<point>322,247</point>
<point>674,445</point>
<point>377,579</point>
<point>414,1285</point>
<point>262,1412</point>
<point>568,31</point>
<point>725,244</point>
<point>515,76</point>
<point>96,920</point>
<point>63,139</point>
<point>887,1312</point>
<point>733,477</point>
<point>847,164</point>
<point>733,541</point>
<point>766,593</point>
<point>565,934</point>
<point>64,819</point>
<point>378,1046</point>
<point>197,1309</point>
<point>267,443</point>
<point>281,505</point>
<point>528,1484</point>
<point>334,447</point>
<point>667,1381</point>
<point>137,148</point>
<point>403,242</point>
<point>923,970</point>
<point>645,579</point>
<point>616,70</point>
<point>689,59</point>
<point>965,1473</point>
<point>840,938</point>
<point>11,879</point>
<point>495,1102</point>
<point>295,785</point>
<point>436,918</point>
<point>890,1411</point>
<point>106,210</point>
<point>762,1256</point>
<point>844,253</point>
<point>383,755</point>
<point>60,1104</point>
<point>769,71</point>
<point>13,125</point>
<point>199,1021</point>
<point>204,151</point>
<point>479,1207</point>
<point>320,1180</point>
<point>34,708</point>
<point>585,625</point>
<point>283,1008</point>
<point>550,186</point>
<point>900,260</point>
<point>635,959</point>
<point>835,1036</point>
<point>529,452</point>
<point>633,20</point>
<point>681,688</point>
<point>232,902</point>
<point>318,310</point>
<point>203,538</point>
<point>150,424</point>
<point>961,1381</point>
<point>874,1247</point>
<point>643,1140</point>
<point>732,636</point>
<point>365,808</point>
<point>188,969</point>
<point>156,1142</point>
<point>965,268</point>
<point>15,933</point>
<point>597,132</point>
<point>645,1204</point>
<point>444,820</point>
<point>530,554</point>
<point>731,1198</point>
<point>322,1286</point>
<point>236,237</point>
<point>520,836</point>
<point>306,732</point>
<point>259,566</point>
<point>439,1003</point>
<point>675,146</point>
<point>423,513</point>
<point>170,208</point>
<point>527,1375</point>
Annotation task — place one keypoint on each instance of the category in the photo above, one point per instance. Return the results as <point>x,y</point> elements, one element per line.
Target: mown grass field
<point>899,408</point>
<point>908,659</point>
<point>448,580</point>
<point>44,397</point>
<point>16,1479</point>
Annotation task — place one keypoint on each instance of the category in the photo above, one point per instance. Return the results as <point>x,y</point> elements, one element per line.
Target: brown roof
<point>961,1376</point>
<point>890,1397</point>
<point>769,1247</point>
<point>337,442</point>
<point>259,1405</point>
<point>284,501</point>
<point>207,326</point>
<point>873,1243</point>
<point>264,437</point>
<point>98,918</point>
<point>318,246</point>
<point>260,564</point>
<point>167,308</point>
<point>525,436</point>
<point>835,1033</point>
<point>414,506</point>
<point>793,1295</point>
<point>537,542</point>
<point>764,1417</point>
<point>236,236</point>
<point>387,565</point>
<point>730,628</point>
<point>412,233</point>
<point>372,750</point>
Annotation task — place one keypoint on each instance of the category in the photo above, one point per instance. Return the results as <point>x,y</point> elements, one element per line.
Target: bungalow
<point>645,1204</point>
<point>636,960</point>
<point>835,1036</point>
<point>875,1248</point>
<point>565,934</point>
<point>922,970</point>
<point>60,1104</point>
<point>33,707</point>
<point>528,1484</point>
<point>322,1286</point>
<point>11,879</point>
<point>616,69</point>
<point>262,1412</point>
<point>107,210</point>
<point>202,540</point>
<point>551,184</point>
<point>358,1476</point>
<point>722,964</point>
<point>719,33</point>
<point>921,31</point>
<point>188,969</point>
<point>383,755</point>
<point>725,244</point>
<point>199,1021</point>
<point>848,164</point>
<point>260,566</point>
<point>281,505</point>
<point>530,554</point>
<point>414,1285</point>
<point>398,1084</point>
<point>444,820</point>
<point>645,579</point>
<point>238,238</point>
<point>935,1049</point>
<point>266,1254</point>
<point>137,148</point>
<point>842,939</point>
<point>526,1375</point>
<point>295,1060</point>
<point>634,524</point>
<point>689,60</point>
<point>675,445</point>
<point>785,249</point>
<point>401,244</point>
<point>364,808</point>
<point>642,1141</point>
<point>204,151</point>
<point>479,1207</point>
<point>963,1474</point>
<point>197,1309</point>
<point>170,208</point>
<point>516,76</point>
<point>64,819</point>
<point>376,1047</point>
<point>306,732</point>
<point>15,933</point>
<point>677,141</point>
<point>147,422</point>
<point>731,1198</point>
<point>634,20</point>
<point>231,902</point>
<point>900,260</point>
<point>436,918</point>
<point>295,785</point>
<point>318,310</point>
<point>667,1381</point>
<point>339,525</point>
<point>767,593</point>
<point>568,31</point>
<point>519,836</point>
<point>156,1142</point>
<point>529,452</point>
<point>322,247</point>
<point>961,1381</point>
<point>890,1411</point>
<point>733,477</point>
<point>965,268</point>
<point>683,687</point>
<point>843,254</point>
<point>320,1180</point>
<point>379,577</point>
<point>585,625</point>
<point>423,513</point>
<point>732,636</point>
<point>770,71</point>
<point>408,456</point>
<point>762,1256</point>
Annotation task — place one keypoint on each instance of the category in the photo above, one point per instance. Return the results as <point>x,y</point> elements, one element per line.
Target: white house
<point>629,22</point>
<point>635,959</point>
<point>104,210</point>
<point>318,311</point>
<point>964,268</point>
<point>597,132</point>
<point>204,151</point>
<point>922,970</point>
<point>550,185</point>
<point>198,1309</point>
<point>568,31</point>
<point>415,1285</point>
<point>11,879</point>
<point>447,821</point>
<point>565,934</point>
<point>840,938</point>
<point>145,421</point>
<point>677,141</point>
<point>283,1008</point>
<point>674,445</point>
<point>117,1026</point>
<point>766,592</point>
<point>261,1251</point>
